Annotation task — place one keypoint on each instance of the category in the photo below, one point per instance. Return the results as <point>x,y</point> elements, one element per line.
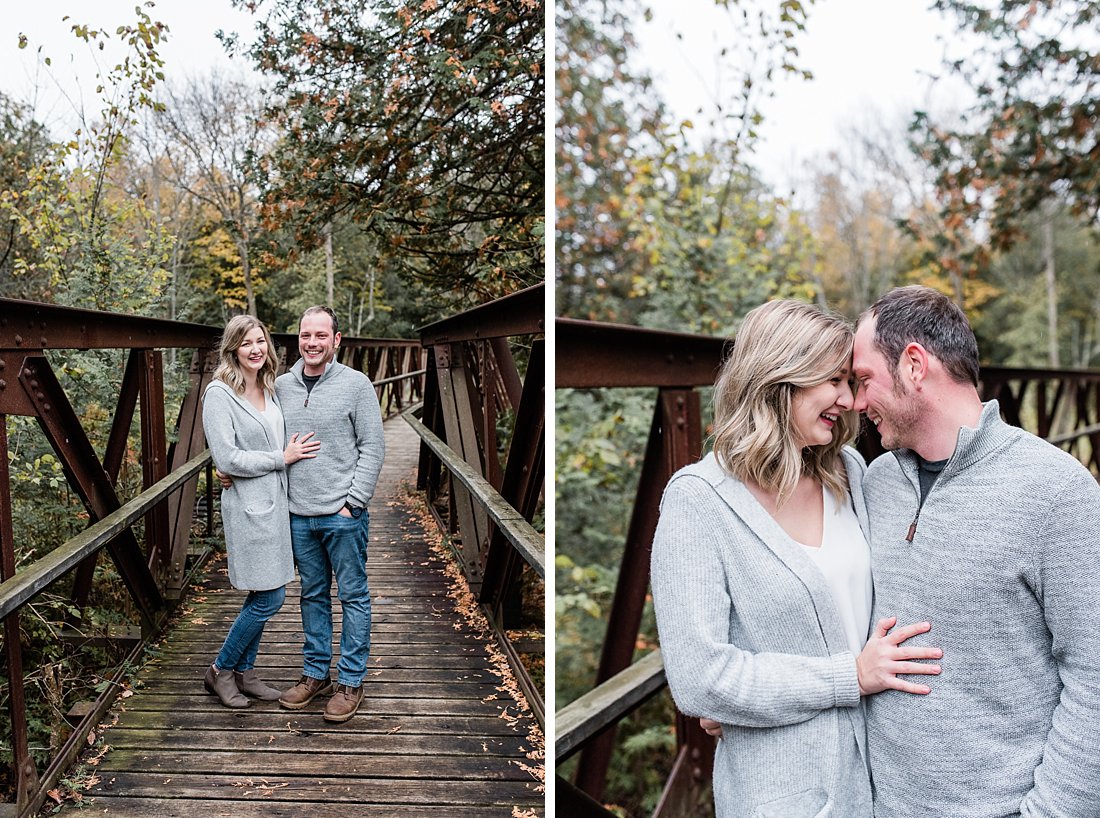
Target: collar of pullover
<point>973,444</point>
<point>298,370</point>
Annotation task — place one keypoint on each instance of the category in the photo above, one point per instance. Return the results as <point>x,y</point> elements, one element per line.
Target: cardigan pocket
<point>812,803</point>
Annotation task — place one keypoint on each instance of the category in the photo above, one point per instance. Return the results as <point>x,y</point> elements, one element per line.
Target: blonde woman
<point>762,578</point>
<point>244,429</point>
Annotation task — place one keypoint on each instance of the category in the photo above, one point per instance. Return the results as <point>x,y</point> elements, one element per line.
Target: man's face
<point>316,342</point>
<point>889,404</point>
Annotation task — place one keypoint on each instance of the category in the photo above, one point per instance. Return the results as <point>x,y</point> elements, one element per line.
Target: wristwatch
<point>355,511</point>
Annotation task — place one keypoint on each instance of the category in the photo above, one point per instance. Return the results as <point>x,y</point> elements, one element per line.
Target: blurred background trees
<point>667,223</point>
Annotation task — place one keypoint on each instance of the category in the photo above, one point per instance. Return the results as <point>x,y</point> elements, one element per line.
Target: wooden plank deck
<point>437,733</point>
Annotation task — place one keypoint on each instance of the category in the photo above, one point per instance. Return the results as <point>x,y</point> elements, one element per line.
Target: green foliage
<point>82,244</point>
<point>1031,135</point>
<point>422,123</point>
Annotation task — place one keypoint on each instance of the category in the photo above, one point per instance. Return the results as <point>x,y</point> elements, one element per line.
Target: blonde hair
<point>229,368</point>
<point>782,346</point>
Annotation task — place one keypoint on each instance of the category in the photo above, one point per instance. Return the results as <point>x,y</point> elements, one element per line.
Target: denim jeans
<point>323,546</point>
<point>243,641</point>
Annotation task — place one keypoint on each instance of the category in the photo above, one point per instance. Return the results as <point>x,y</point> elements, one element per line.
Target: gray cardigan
<point>751,637</point>
<point>342,409</point>
<point>254,509</point>
<point>1005,564</point>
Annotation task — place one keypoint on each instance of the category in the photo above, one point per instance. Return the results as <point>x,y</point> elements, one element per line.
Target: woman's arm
<point>706,674</point>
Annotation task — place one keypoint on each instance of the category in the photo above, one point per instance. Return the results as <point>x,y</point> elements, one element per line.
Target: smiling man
<point>993,536</point>
<point>328,510</point>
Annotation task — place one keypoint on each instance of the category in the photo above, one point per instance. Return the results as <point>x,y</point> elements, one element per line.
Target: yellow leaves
<point>429,6</point>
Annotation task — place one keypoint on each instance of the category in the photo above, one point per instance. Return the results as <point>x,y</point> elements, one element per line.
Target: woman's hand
<point>711,727</point>
<point>300,448</point>
<point>883,658</point>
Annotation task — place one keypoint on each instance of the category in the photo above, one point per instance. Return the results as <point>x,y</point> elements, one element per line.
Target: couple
<point>977,692</point>
<point>299,456</point>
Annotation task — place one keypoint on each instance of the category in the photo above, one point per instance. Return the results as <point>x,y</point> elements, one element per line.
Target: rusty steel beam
<point>124,416</point>
<point>517,314</point>
<point>85,474</point>
<point>675,440</point>
<point>190,440</point>
<point>32,326</point>
<point>520,487</point>
<point>25,773</point>
<point>154,460</point>
<point>590,355</point>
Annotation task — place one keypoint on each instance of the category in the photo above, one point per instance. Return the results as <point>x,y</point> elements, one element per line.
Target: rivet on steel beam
<point>27,371</point>
<point>46,407</point>
<point>34,384</point>
<point>45,343</point>
<point>3,384</point>
<point>680,401</point>
<point>40,396</point>
<point>2,364</point>
<point>19,340</point>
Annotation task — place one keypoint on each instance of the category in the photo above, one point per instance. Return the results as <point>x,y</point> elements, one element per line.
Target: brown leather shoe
<point>304,692</point>
<point>344,703</point>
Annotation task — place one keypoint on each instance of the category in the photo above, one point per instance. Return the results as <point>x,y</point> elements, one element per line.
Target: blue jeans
<point>243,641</point>
<point>323,546</point>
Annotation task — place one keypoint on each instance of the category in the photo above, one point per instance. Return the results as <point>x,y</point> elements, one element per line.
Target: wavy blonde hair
<point>782,346</point>
<point>229,368</point>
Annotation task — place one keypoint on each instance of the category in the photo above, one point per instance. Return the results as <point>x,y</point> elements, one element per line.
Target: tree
<point>1031,134</point>
<point>215,132</point>
<point>421,122</point>
<point>82,241</point>
<point>24,144</point>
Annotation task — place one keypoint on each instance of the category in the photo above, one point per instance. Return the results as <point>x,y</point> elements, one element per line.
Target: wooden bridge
<point>451,722</point>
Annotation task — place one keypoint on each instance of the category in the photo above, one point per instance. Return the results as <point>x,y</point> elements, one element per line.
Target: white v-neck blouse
<point>844,558</point>
<point>274,418</point>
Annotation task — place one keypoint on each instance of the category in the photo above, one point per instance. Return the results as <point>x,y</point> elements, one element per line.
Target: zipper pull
<point>912,530</point>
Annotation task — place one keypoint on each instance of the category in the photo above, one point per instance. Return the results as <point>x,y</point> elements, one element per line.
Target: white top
<point>845,560</point>
<point>274,419</point>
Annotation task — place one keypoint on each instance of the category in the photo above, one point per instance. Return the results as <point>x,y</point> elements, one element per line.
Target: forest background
<point>386,159</point>
<point>667,224</point>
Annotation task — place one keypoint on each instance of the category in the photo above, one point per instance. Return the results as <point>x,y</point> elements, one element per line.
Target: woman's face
<point>252,352</point>
<point>815,410</point>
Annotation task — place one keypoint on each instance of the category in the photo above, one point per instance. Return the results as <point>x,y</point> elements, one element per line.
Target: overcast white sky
<point>868,57</point>
<point>190,48</point>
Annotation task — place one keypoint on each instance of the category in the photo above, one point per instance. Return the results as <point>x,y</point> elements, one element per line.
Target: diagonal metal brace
<point>87,477</point>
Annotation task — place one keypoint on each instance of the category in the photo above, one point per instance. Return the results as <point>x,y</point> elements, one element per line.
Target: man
<point>993,536</point>
<point>328,510</point>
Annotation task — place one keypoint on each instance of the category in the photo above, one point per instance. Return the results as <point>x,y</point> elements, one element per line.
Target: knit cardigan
<point>751,637</point>
<point>254,509</point>
<point>1005,564</point>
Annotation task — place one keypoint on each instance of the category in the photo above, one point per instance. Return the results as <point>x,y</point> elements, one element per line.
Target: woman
<point>244,429</point>
<point>761,577</point>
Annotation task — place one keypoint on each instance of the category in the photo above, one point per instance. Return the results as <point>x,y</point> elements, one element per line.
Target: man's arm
<point>1067,782</point>
<point>371,444</point>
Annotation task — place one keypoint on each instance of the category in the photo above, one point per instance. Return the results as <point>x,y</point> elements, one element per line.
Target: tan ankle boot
<point>223,685</point>
<point>250,683</point>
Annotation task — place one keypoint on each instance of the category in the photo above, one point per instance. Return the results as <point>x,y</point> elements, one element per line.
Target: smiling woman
<point>761,577</point>
<point>244,428</point>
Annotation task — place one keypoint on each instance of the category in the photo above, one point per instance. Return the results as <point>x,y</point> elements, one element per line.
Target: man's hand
<point>883,658</point>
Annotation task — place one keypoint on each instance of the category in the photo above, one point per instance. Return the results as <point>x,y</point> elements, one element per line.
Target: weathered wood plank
<point>437,733</point>
<point>192,808</point>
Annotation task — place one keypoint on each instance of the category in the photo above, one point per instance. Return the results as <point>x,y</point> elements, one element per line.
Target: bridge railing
<point>482,462</point>
<point>1060,405</point>
<point>37,342</point>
